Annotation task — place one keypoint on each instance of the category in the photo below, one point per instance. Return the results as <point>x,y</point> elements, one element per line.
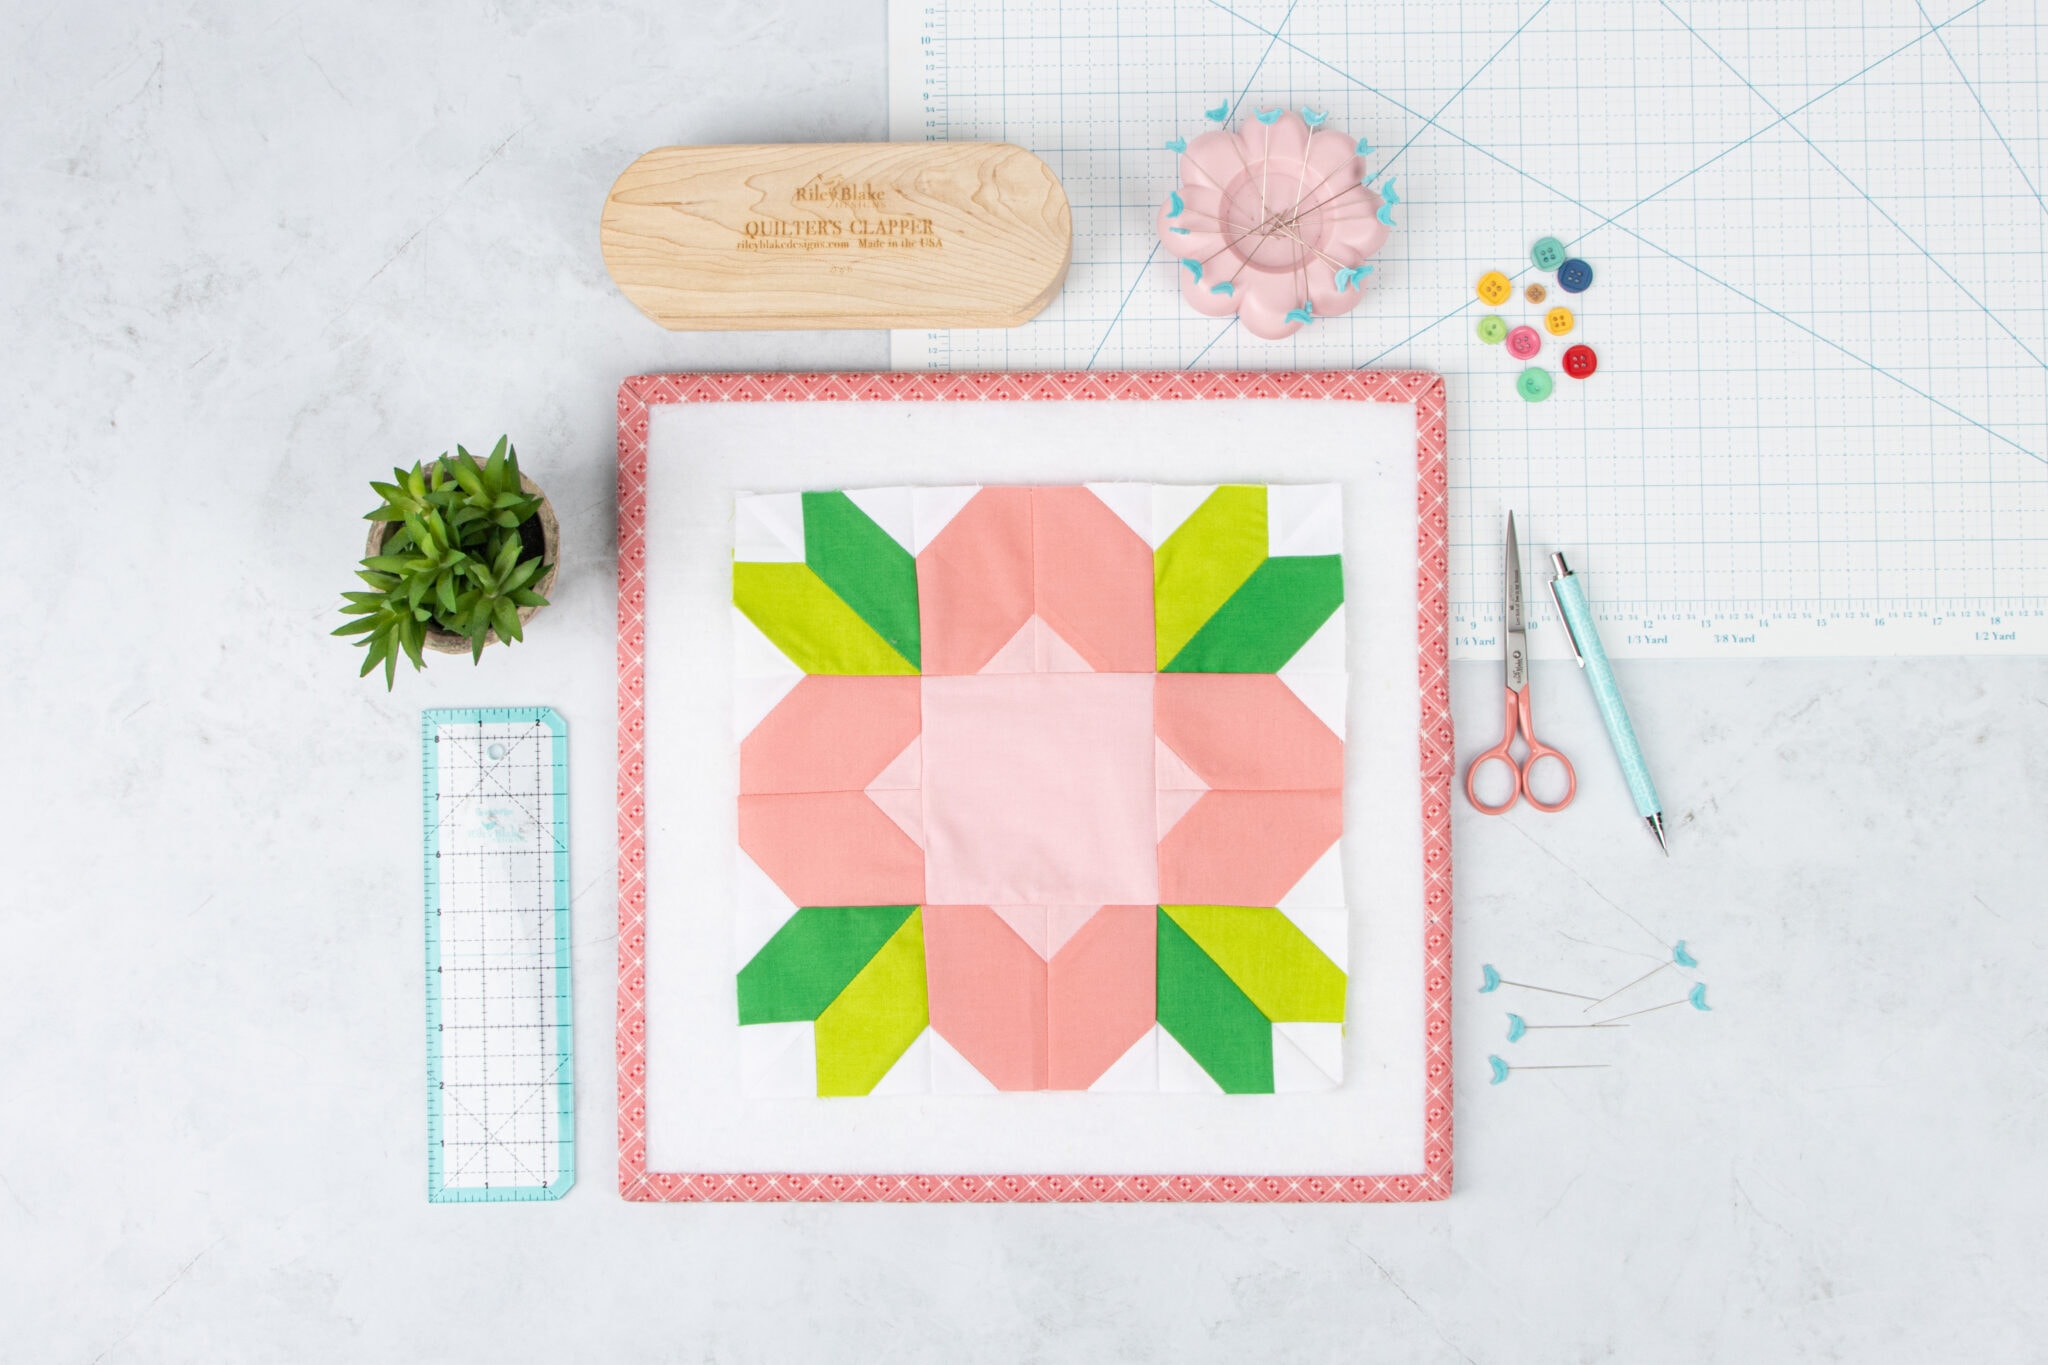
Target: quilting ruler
<point>1820,299</point>
<point>501,1114</point>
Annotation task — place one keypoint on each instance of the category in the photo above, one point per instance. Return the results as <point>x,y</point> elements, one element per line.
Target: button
<point>1492,329</point>
<point>1494,288</point>
<point>1557,321</point>
<point>1580,362</point>
<point>1534,384</point>
<point>1548,254</point>
<point>1535,293</point>
<point>1574,275</point>
<point>1523,343</point>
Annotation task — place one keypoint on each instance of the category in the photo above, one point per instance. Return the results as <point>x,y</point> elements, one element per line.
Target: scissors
<point>1515,648</point>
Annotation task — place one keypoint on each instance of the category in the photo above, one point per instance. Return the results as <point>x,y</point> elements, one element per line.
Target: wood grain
<point>847,234</point>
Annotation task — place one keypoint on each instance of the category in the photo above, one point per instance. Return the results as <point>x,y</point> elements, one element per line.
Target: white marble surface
<point>255,253</point>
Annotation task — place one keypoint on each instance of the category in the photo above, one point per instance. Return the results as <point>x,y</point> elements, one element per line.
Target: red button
<point>1580,361</point>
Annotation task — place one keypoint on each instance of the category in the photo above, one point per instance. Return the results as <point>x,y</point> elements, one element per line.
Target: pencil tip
<point>1656,824</point>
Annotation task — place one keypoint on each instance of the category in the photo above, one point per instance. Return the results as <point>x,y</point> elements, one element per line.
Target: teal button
<point>1548,254</point>
<point>1534,384</point>
<point>1492,329</point>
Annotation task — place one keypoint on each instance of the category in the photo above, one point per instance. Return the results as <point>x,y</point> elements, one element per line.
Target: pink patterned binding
<point>1426,391</point>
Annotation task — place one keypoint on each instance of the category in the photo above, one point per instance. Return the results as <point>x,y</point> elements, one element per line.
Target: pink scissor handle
<point>1518,719</point>
<point>1539,751</point>
<point>1517,702</point>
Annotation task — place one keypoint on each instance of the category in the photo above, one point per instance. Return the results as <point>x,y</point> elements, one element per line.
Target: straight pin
<point>1696,997</point>
<point>1501,1069</point>
<point>1493,981</point>
<point>1517,1027</point>
<point>1679,958</point>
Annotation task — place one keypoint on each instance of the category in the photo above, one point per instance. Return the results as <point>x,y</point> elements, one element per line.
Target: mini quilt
<point>1040,788</point>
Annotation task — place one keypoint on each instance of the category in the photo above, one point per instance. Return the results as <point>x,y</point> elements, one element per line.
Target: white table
<point>256,254</point>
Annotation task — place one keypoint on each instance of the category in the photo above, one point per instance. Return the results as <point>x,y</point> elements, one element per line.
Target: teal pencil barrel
<point>1578,616</point>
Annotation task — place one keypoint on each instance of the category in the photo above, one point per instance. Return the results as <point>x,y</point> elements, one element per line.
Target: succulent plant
<point>454,562</point>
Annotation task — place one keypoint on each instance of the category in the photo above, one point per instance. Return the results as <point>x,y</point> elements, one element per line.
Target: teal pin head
<point>1386,213</point>
<point>1193,265</point>
<point>1490,978</point>
<point>1682,957</point>
<point>1698,996</point>
<point>1364,147</point>
<point>1176,144</point>
<point>1267,116</point>
<point>1500,1070</point>
<point>1304,314</point>
<point>1226,289</point>
<point>1516,1028</point>
<point>1218,114</point>
<point>1312,118</point>
<point>1177,208</point>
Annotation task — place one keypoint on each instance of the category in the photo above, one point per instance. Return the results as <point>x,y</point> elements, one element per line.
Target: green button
<point>1548,254</point>
<point>1534,384</point>
<point>1492,329</point>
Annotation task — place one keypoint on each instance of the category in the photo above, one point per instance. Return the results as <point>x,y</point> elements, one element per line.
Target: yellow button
<point>1558,321</point>
<point>1494,288</point>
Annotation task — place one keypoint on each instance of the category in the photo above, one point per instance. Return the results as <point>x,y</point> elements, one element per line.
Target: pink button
<point>1524,343</point>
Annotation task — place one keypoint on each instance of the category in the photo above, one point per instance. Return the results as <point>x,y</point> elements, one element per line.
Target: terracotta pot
<point>542,525</point>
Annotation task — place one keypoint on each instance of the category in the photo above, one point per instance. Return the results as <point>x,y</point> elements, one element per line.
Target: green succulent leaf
<point>450,559</point>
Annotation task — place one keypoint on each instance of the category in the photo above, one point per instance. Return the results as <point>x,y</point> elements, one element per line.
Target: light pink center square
<point>1039,790</point>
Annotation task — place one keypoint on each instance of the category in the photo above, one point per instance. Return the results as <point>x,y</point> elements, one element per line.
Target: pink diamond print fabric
<point>1040,789</point>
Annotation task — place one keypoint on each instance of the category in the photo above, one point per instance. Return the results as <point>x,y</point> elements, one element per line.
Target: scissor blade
<point>1514,640</point>
<point>1511,592</point>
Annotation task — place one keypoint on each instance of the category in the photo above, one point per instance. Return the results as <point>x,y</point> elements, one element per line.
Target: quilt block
<point>1040,788</point>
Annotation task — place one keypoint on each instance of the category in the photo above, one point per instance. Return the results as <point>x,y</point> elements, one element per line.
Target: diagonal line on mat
<point>1260,65</point>
<point>1272,37</point>
<point>1430,122</point>
<point>1989,122</point>
<point>1117,316</point>
<point>1611,220</point>
<point>1221,333</point>
<point>1815,147</point>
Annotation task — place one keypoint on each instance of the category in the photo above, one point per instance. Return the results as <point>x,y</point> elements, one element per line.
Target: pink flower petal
<point>1246,732</point>
<point>1094,579</point>
<point>1101,995</point>
<point>830,734</point>
<point>974,582</point>
<point>1247,848</point>
<point>987,991</point>
<point>831,848</point>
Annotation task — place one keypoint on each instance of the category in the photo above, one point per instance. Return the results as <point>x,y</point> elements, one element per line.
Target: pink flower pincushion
<point>1273,223</point>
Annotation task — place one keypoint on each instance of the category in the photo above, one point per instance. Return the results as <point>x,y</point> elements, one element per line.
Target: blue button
<point>1547,253</point>
<point>1574,275</point>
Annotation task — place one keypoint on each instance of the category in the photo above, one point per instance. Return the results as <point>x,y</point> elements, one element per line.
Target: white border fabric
<point>699,456</point>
